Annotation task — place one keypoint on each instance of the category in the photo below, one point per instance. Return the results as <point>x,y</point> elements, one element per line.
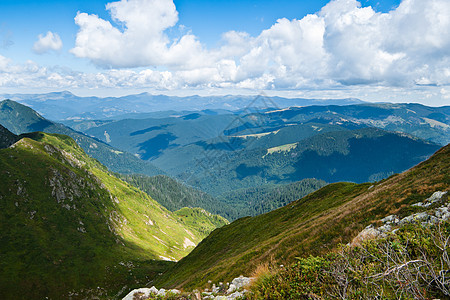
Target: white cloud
<point>344,50</point>
<point>344,44</point>
<point>141,41</point>
<point>48,42</point>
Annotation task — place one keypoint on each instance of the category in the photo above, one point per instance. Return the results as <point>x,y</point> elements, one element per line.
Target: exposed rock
<point>390,219</point>
<point>436,197</point>
<point>144,293</point>
<point>141,293</point>
<point>368,233</point>
<point>235,295</point>
<point>418,217</point>
<point>239,283</point>
<point>425,218</point>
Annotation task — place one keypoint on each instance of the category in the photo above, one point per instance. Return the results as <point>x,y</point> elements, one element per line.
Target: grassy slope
<point>63,215</point>
<point>312,225</point>
<point>199,220</point>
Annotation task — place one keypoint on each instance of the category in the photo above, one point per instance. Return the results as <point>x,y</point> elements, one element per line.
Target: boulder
<point>142,293</point>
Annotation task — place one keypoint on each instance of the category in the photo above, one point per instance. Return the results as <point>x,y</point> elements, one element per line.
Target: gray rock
<point>144,292</point>
<point>384,228</point>
<point>231,289</point>
<point>437,196</point>
<point>441,211</point>
<point>240,282</point>
<point>235,295</point>
<point>161,292</point>
<point>446,216</point>
<point>390,219</point>
<point>419,217</point>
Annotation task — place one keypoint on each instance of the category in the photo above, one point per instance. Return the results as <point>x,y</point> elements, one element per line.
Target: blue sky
<point>375,50</point>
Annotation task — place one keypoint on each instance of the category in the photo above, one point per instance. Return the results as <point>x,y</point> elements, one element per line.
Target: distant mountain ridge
<point>359,155</point>
<point>65,105</point>
<point>21,119</point>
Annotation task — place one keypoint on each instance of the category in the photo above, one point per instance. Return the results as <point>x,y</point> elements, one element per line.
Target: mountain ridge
<point>65,105</point>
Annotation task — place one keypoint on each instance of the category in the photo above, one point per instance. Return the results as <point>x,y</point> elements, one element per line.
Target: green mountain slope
<point>69,226</point>
<point>314,224</point>
<point>200,220</point>
<point>20,119</point>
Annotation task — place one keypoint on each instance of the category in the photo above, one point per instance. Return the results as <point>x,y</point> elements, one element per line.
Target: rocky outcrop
<point>145,293</point>
<point>392,223</point>
<point>227,291</point>
<point>436,197</point>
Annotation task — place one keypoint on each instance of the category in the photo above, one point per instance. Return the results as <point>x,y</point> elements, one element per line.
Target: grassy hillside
<point>313,225</point>
<point>19,119</point>
<point>69,227</point>
<point>199,220</point>
<point>410,264</point>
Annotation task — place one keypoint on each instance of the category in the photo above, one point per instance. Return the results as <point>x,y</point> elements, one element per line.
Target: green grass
<point>199,220</point>
<point>68,225</point>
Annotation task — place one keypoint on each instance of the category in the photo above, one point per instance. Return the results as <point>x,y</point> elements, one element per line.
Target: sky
<point>386,50</point>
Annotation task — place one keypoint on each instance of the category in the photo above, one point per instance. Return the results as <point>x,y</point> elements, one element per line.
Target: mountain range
<point>66,106</point>
<point>227,151</point>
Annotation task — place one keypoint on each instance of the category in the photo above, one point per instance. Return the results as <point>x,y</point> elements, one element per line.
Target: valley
<point>224,150</point>
<point>121,203</point>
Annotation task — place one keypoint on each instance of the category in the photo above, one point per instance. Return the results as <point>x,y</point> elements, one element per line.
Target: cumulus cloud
<point>45,43</point>
<point>29,76</point>
<point>140,40</point>
<point>344,44</point>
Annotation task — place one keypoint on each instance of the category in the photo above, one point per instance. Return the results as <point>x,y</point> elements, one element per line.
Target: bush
<point>411,264</point>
